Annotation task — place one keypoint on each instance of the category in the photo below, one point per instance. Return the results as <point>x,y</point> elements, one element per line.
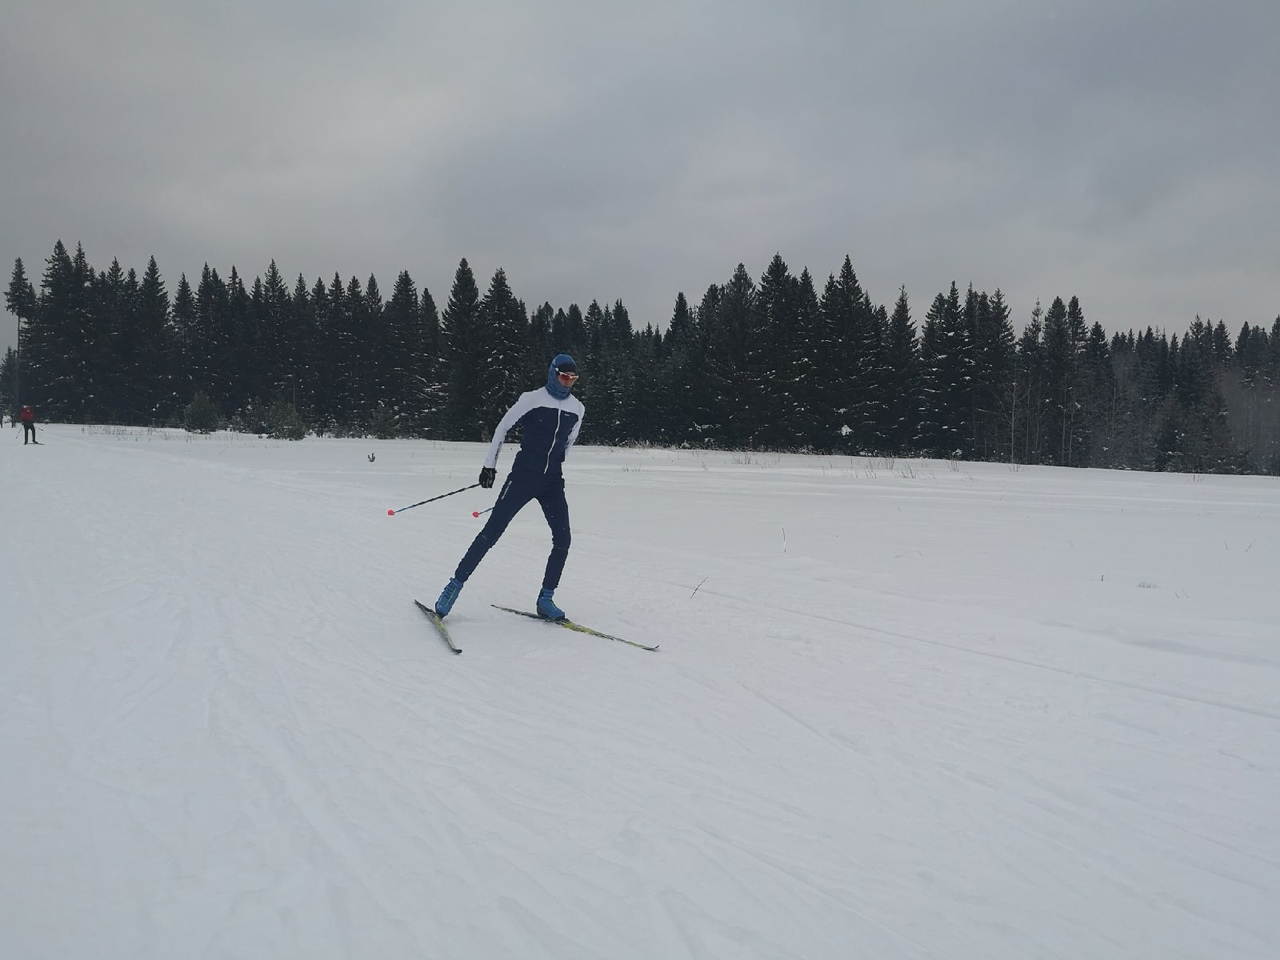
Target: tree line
<point>756,364</point>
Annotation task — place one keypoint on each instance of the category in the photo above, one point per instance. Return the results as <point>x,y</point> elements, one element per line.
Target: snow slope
<point>902,709</point>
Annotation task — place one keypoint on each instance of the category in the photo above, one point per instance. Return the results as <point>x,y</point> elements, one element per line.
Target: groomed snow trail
<point>901,709</point>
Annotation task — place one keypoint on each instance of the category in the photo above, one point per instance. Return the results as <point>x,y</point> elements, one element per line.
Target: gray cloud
<point>1124,153</point>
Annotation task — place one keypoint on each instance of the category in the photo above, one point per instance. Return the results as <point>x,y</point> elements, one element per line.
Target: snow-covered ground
<point>902,709</point>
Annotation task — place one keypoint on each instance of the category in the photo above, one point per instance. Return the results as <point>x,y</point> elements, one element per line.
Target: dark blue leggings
<point>518,490</point>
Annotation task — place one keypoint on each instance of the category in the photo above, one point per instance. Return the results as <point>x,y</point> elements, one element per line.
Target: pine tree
<point>991,335</point>
<point>149,371</point>
<point>946,379</point>
<point>839,304</point>
<point>275,361</point>
<point>954,371</point>
<point>300,348</point>
<point>239,337</point>
<point>568,332</point>
<point>48,349</point>
<point>370,406</point>
<point>704,424</point>
<point>1025,409</point>
<point>88,387</point>
<point>1272,372</point>
<point>644,368</point>
<point>9,380</point>
<point>184,316</point>
<point>617,378</point>
<point>734,364</point>
<point>539,344</point>
<point>349,368</point>
<point>20,297</point>
<point>814,424</point>
<point>857,331</point>
<point>310,304</point>
<point>209,352</point>
<point>902,363</point>
<point>595,391</point>
<point>674,402</point>
<point>462,353</point>
<point>877,376</point>
<point>1096,396</point>
<point>782,356</point>
<point>336,364</point>
<point>430,380</point>
<point>1222,352</point>
<point>931,416</point>
<point>1249,353</point>
<point>112,309</point>
<point>394,360</point>
<point>20,300</point>
<point>501,325</point>
<point>1061,348</point>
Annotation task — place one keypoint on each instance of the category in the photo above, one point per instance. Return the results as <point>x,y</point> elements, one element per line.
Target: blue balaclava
<point>563,363</point>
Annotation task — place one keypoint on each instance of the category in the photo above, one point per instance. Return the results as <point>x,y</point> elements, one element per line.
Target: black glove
<point>487,475</point>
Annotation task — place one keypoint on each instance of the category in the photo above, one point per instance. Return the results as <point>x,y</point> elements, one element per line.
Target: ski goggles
<point>566,378</point>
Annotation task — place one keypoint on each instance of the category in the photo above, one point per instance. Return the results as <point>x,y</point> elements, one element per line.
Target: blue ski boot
<point>547,608</point>
<point>447,596</point>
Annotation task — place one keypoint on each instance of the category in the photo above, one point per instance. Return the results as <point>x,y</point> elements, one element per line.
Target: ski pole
<point>477,513</point>
<point>392,513</point>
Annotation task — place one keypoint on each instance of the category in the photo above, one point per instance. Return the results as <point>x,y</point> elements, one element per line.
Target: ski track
<point>237,737</point>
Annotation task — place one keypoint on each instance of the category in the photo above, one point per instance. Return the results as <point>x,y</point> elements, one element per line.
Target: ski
<point>439,625</point>
<point>570,625</point>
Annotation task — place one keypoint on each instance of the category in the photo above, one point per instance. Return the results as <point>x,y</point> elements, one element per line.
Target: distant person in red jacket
<point>28,425</point>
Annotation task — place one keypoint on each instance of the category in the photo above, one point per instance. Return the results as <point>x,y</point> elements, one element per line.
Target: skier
<point>552,417</point>
<point>28,425</point>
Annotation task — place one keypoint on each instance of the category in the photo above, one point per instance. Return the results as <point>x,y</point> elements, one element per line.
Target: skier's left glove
<point>487,476</point>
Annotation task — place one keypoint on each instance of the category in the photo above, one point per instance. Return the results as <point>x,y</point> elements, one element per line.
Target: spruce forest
<point>770,364</point>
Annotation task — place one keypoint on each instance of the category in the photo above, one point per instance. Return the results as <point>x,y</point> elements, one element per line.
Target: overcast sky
<point>1123,151</point>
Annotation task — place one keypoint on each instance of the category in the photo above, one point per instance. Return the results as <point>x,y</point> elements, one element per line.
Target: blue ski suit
<point>551,417</point>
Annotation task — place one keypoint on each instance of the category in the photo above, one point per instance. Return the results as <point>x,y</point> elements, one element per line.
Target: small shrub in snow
<point>382,423</point>
<point>201,415</point>
<point>284,422</point>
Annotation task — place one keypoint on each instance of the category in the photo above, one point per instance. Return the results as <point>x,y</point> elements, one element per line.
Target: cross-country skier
<point>28,425</point>
<point>552,417</point>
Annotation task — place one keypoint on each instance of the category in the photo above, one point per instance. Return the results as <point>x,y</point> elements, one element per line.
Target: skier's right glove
<point>487,475</point>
